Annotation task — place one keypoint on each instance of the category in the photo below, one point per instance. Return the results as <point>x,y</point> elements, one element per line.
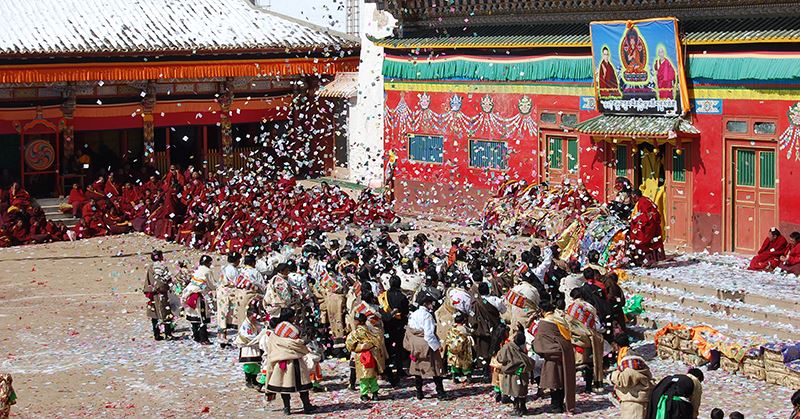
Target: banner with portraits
<point>638,67</point>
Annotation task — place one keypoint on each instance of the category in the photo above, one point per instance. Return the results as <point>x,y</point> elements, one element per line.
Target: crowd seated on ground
<point>244,208</point>
<point>776,253</point>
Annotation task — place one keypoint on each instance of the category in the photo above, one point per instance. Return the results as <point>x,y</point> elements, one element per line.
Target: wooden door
<point>679,199</point>
<point>621,163</point>
<point>562,158</point>
<point>754,196</point>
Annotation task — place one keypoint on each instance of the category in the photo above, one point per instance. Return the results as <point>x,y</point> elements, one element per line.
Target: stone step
<point>722,294</point>
<point>658,313</point>
<point>713,303</point>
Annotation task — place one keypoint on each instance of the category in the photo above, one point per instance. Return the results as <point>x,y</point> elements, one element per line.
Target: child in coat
<point>247,340</point>
<point>459,346</point>
<point>516,368</point>
<point>369,358</point>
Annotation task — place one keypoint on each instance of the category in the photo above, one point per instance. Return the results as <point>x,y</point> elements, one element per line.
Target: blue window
<point>425,148</point>
<point>488,154</point>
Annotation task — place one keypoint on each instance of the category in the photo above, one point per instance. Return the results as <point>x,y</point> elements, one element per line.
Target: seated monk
<point>97,189</point>
<point>19,234</point>
<point>115,223</point>
<point>5,237</point>
<point>790,262</point>
<point>110,188</point>
<point>19,197</point>
<point>76,199</point>
<point>769,255</point>
<point>38,232</point>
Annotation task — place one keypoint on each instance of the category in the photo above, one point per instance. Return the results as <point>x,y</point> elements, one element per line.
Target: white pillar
<point>365,145</point>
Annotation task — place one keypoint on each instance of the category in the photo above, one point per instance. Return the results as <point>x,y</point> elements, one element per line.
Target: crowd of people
<point>246,208</point>
<point>625,231</point>
<point>407,311</point>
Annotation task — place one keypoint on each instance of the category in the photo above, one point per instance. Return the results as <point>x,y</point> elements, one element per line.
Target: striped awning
<point>344,85</point>
<point>608,126</point>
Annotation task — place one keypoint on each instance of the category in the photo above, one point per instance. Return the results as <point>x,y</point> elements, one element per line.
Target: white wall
<point>366,115</point>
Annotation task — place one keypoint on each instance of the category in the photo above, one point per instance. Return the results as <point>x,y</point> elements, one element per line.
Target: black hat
<point>156,255</point>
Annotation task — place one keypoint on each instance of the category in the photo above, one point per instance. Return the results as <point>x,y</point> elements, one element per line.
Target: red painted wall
<point>708,160</point>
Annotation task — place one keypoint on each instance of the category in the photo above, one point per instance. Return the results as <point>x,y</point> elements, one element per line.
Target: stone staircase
<point>51,211</point>
<point>733,313</point>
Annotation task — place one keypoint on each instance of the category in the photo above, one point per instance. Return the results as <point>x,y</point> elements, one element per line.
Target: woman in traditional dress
<point>287,371</point>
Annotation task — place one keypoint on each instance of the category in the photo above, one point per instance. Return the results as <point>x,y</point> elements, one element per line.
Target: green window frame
<point>622,160</point>
<point>572,154</point>
<point>555,153</point>
<point>679,166</point>
<point>425,148</point>
<point>766,165</point>
<point>745,167</point>
<point>485,154</point>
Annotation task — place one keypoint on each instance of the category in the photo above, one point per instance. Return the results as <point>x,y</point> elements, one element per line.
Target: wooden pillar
<point>148,106</point>
<point>67,127</point>
<point>204,157</point>
<point>226,138</point>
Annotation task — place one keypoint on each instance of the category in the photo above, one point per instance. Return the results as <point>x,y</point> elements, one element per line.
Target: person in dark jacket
<point>395,301</point>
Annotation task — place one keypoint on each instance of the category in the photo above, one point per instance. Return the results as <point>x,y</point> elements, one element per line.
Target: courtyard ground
<point>75,337</point>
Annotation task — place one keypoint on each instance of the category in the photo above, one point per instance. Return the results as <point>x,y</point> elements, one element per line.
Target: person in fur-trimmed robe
<point>425,349</point>
<point>632,381</point>
<point>287,372</point>
<point>516,368</point>
<point>157,285</point>
<point>459,348</point>
<point>586,330</point>
<point>8,397</point>
<point>370,357</point>
<point>552,341</point>
<point>484,321</point>
<point>195,299</point>
<point>523,301</point>
<point>248,340</point>
<point>226,297</point>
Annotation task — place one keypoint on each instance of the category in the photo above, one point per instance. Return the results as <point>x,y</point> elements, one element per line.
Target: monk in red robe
<point>38,232</point>
<point>110,189</point>
<point>645,242</point>
<point>769,255</point>
<point>665,75</point>
<point>173,175</point>
<point>19,197</point>
<point>790,262</point>
<point>76,199</point>
<point>20,234</point>
<point>97,190</point>
<point>607,81</point>
<point>5,237</point>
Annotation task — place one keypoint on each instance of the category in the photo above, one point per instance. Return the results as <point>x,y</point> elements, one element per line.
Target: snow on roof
<point>59,27</point>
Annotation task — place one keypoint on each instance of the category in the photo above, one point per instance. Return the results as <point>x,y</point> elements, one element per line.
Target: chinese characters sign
<point>638,67</point>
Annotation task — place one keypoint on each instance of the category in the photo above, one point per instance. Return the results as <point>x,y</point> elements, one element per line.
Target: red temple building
<point>91,86</point>
<point>479,92</point>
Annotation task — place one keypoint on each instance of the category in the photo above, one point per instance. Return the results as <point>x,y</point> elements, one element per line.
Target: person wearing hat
<point>157,284</point>
<point>250,333</point>
<point>225,298</point>
<point>195,298</point>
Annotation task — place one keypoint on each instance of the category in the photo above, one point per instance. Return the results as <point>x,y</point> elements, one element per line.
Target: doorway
<point>754,198</point>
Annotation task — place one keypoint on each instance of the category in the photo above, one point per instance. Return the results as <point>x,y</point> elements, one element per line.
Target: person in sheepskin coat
<point>287,371</point>
<point>632,381</point>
